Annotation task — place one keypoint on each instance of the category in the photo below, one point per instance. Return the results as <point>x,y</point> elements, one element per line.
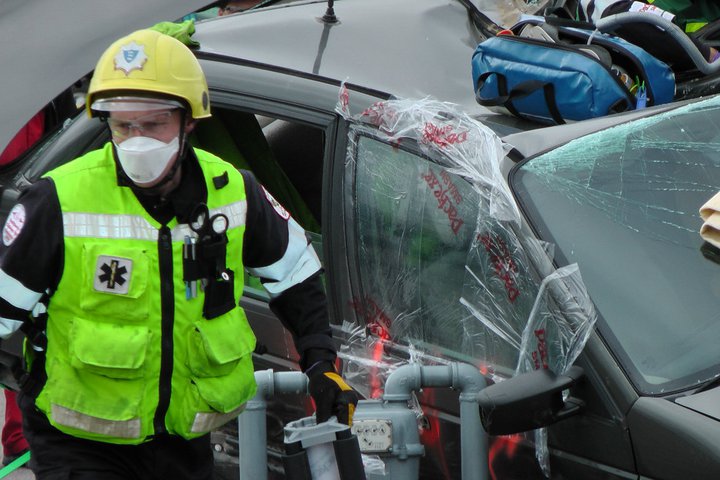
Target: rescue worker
<point>124,270</point>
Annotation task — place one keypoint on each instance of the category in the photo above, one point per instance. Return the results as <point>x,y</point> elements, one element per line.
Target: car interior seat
<point>299,150</point>
<point>237,138</point>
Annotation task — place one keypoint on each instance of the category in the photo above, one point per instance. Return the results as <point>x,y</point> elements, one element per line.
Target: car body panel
<point>672,441</point>
<point>441,34</point>
<point>337,54</point>
<point>707,402</point>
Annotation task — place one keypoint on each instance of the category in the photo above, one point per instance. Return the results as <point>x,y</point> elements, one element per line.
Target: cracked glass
<point>623,203</point>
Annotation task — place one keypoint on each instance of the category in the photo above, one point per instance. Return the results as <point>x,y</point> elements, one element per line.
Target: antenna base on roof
<point>329,16</point>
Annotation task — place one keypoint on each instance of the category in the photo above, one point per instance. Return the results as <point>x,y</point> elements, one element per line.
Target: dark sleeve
<point>30,253</point>
<point>276,250</point>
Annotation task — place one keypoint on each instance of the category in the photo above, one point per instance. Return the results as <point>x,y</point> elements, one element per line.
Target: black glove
<point>331,394</point>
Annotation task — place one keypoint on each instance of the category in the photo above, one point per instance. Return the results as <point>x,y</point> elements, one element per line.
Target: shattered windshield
<point>623,204</point>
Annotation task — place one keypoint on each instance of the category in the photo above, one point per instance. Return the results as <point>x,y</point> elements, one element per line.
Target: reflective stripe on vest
<point>120,429</point>
<point>204,422</point>
<point>132,227</point>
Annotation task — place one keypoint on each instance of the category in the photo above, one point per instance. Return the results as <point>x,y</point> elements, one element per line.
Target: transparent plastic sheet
<point>558,328</point>
<point>373,465</point>
<point>444,272</point>
<point>368,360</point>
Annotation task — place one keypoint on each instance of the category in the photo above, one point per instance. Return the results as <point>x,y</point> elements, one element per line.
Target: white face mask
<point>145,160</point>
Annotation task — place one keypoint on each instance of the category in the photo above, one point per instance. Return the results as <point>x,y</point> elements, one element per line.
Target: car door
<point>426,264</point>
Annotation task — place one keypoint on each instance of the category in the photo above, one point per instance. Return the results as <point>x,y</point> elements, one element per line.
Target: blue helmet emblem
<point>130,55</point>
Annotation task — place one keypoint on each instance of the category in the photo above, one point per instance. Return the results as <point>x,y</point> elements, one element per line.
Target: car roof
<point>49,44</point>
<point>408,48</point>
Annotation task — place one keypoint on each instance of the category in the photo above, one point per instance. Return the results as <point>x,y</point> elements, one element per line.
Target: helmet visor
<point>133,104</point>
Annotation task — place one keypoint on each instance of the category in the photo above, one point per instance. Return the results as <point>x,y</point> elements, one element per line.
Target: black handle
<point>521,90</point>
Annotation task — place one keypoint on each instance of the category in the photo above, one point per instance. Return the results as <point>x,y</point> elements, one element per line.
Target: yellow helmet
<point>147,62</point>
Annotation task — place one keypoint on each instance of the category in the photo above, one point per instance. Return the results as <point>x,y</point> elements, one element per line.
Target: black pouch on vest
<point>193,270</point>
<point>219,295</point>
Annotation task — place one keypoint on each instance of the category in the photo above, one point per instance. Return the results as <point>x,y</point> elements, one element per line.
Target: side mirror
<point>529,401</point>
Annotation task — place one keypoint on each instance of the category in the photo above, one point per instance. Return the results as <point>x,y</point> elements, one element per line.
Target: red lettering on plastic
<point>502,262</point>
<point>443,196</point>
<point>442,136</point>
<point>540,356</point>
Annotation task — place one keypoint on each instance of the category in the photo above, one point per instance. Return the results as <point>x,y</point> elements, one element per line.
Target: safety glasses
<point>151,125</point>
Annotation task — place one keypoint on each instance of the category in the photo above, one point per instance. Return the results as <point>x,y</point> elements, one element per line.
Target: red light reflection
<point>505,446</point>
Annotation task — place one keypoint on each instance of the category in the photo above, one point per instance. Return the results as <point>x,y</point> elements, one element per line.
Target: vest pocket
<point>210,402</point>
<point>216,346</point>
<point>221,372</point>
<point>101,390</point>
<point>225,394</point>
<point>115,281</point>
<point>111,350</point>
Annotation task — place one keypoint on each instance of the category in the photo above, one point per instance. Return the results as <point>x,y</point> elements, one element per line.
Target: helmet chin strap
<point>157,189</point>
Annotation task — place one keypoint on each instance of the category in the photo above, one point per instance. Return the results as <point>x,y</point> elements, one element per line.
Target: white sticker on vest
<point>112,275</point>
<point>13,224</point>
<point>276,205</point>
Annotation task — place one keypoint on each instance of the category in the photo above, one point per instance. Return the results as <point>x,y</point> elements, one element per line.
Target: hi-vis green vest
<point>128,355</point>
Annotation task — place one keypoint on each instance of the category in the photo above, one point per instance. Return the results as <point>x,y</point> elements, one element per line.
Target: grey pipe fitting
<point>459,376</point>
<point>252,429</point>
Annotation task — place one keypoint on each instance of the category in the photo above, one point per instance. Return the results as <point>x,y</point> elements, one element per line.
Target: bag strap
<point>521,90</point>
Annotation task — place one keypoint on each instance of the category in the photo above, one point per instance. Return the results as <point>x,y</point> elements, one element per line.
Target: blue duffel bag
<point>567,74</point>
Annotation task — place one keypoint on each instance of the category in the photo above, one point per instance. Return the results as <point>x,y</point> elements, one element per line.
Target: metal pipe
<point>398,388</point>
<point>252,428</point>
<point>611,22</point>
<point>459,376</point>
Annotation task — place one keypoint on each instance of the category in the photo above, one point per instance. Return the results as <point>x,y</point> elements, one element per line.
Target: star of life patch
<point>13,224</point>
<point>130,57</point>
<point>112,274</point>
<point>276,205</point>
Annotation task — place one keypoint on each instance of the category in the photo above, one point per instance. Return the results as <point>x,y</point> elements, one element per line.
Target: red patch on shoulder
<point>13,224</point>
<point>284,214</point>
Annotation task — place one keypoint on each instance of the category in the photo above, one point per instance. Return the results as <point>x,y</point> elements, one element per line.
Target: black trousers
<point>58,456</point>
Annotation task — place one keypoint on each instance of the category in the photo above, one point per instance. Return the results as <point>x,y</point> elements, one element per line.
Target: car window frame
<point>347,183</point>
